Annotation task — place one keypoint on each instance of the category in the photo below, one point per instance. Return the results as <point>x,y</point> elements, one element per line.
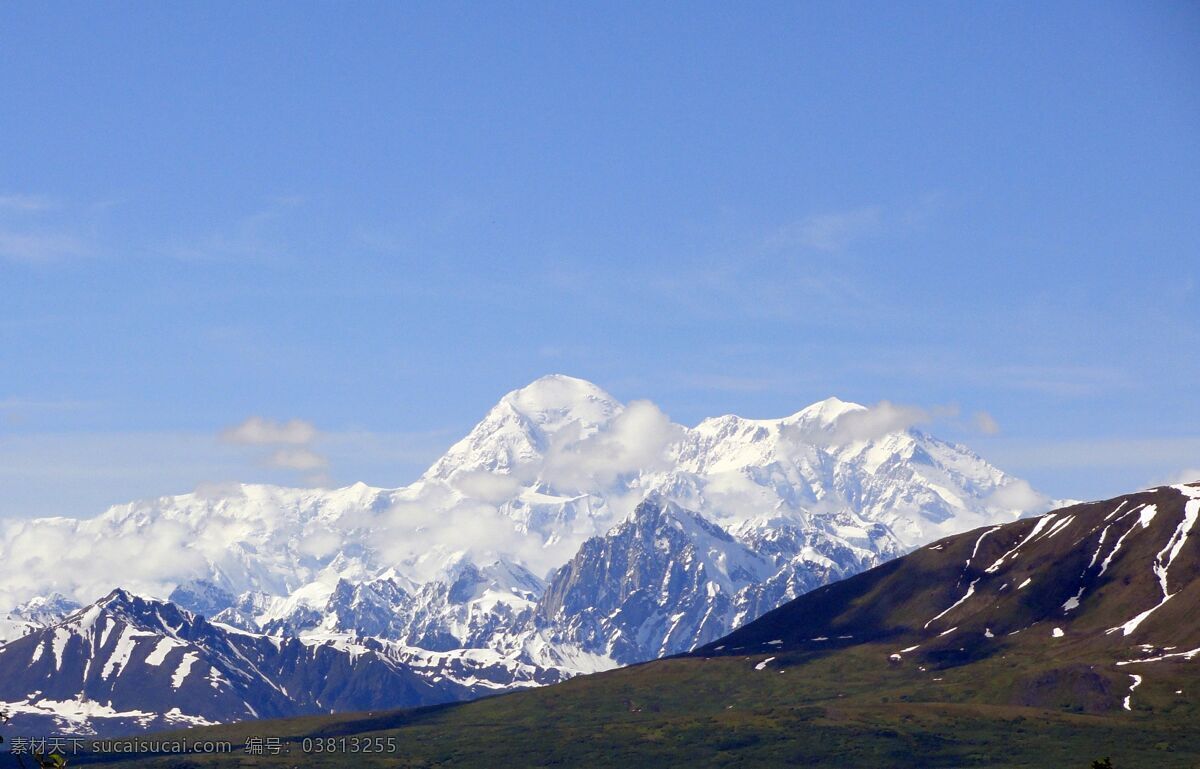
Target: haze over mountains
<point>566,533</point>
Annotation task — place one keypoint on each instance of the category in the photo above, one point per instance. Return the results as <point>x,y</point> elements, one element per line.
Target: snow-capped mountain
<point>129,663</point>
<point>668,580</point>
<point>35,613</point>
<point>664,580</point>
<point>566,533</point>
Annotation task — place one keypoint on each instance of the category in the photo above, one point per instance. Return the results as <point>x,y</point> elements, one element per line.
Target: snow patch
<point>161,649</point>
<point>185,667</point>
<point>948,609</point>
<point>1137,680</point>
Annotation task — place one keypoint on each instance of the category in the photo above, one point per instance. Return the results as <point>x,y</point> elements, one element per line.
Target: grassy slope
<point>850,708</point>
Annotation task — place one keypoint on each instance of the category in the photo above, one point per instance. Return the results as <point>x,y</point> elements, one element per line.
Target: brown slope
<point>1110,584</point>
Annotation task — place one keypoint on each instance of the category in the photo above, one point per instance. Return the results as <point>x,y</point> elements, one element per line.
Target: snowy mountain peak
<point>759,441</point>
<point>118,598</point>
<point>822,413</point>
<point>44,610</point>
<point>141,612</point>
<point>826,412</point>
<point>657,512</point>
<point>518,430</point>
<point>555,400</point>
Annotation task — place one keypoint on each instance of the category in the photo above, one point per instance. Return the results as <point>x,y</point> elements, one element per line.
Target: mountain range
<point>1057,641</point>
<point>567,533</point>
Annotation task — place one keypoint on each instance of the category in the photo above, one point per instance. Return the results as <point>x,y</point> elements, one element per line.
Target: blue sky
<point>378,218</point>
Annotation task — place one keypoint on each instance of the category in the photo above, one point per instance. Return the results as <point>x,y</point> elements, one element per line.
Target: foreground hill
<point>1041,643</point>
<point>1112,582</point>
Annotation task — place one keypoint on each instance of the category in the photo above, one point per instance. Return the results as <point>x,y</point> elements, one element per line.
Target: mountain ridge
<point>1041,642</point>
<point>473,562</point>
<point>1120,554</point>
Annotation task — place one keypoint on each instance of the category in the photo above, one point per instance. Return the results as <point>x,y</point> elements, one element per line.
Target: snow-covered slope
<point>521,556</point>
<point>35,613</point>
<point>128,663</point>
<point>829,459</point>
<point>661,582</point>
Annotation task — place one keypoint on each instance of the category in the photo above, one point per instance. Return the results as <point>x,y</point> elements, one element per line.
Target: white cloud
<point>832,231</point>
<point>492,488</point>
<point>26,241</point>
<point>297,459</point>
<point>39,248</point>
<point>148,560</point>
<point>292,440</point>
<point>259,431</point>
<point>881,419</point>
<point>869,424</point>
<point>1016,496</point>
<point>1096,468</point>
<point>985,423</point>
<point>1191,475</point>
<point>635,440</point>
<point>259,235</point>
<point>24,203</point>
<point>320,543</point>
<point>214,490</point>
<point>432,526</point>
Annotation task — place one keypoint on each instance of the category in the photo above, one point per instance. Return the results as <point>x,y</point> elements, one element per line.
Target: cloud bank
<point>292,443</point>
<point>259,431</point>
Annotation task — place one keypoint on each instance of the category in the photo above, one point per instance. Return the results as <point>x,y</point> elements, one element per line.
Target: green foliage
<point>822,711</point>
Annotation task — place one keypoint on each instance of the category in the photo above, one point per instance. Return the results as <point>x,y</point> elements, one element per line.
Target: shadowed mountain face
<point>669,579</point>
<point>1043,642</point>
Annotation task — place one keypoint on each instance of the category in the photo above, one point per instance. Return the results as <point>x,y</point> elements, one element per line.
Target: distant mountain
<point>566,533</point>
<point>1043,642</point>
<point>667,580</point>
<point>127,663</point>
<point>35,613</point>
